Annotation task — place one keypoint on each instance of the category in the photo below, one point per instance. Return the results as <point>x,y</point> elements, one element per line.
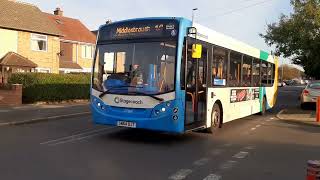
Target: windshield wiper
<point>107,91</point>
<point>150,95</point>
<point>135,93</point>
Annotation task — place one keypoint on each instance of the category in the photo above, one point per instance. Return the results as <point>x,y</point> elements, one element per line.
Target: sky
<point>249,17</point>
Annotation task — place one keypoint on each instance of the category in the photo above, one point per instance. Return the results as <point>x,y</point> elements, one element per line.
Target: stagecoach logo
<point>116,100</point>
<point>119,100</point>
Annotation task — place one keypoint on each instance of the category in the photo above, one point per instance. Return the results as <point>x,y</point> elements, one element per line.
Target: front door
<point>196,89</point>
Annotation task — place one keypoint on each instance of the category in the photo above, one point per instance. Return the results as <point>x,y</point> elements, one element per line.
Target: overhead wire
<point>235,10</point>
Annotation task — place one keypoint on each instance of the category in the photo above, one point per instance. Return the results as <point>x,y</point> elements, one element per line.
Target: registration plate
<point>127,124</point>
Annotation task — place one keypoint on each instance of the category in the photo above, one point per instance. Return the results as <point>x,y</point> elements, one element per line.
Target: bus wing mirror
<point>196,51</point>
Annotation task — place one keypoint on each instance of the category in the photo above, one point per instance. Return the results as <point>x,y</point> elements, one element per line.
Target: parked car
<point>281,84</point>
<point>289,82</point>
<point>310,94</point>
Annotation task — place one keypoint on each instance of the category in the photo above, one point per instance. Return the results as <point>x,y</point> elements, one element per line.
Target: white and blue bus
<point>172,75</point>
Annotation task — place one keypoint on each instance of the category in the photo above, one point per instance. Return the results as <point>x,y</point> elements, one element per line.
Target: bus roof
<point>208,35</point>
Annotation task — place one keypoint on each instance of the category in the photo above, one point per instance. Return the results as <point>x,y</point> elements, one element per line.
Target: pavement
<point>252,148</point>
<point>288,107</point>
<point>15,115</point>
<point>296,115</point>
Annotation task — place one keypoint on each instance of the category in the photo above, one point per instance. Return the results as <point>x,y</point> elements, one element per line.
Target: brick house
<point>25,30</point>
<point>77,43</point>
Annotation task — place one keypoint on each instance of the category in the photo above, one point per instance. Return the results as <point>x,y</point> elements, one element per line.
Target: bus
<point>172,75</point>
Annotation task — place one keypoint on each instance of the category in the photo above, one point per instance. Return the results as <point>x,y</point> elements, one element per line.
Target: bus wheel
<point>264,106</point>
<point>216,118</point>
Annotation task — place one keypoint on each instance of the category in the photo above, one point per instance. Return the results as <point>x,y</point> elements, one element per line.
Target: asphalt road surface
<point>256,147</point>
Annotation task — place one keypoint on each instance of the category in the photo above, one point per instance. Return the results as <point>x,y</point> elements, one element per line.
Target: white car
<point>281,84</point>
<point>310,94</point>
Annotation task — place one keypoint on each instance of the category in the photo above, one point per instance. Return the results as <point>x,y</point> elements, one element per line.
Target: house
<point>77,43</point>
<point>26,33</point>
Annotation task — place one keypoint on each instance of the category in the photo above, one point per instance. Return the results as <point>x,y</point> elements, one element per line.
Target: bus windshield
<point>135,68</point>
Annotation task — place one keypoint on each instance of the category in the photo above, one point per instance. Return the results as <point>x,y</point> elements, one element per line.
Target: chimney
<point>58,12</point>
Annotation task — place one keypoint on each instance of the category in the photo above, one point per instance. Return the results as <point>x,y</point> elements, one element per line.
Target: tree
<point>297,36</point>
<point>289,72</point>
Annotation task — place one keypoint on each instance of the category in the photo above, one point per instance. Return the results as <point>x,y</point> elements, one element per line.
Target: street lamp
<point>193,11</point>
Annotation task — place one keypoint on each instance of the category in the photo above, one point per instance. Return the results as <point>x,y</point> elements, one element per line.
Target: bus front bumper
<point>165,122</point>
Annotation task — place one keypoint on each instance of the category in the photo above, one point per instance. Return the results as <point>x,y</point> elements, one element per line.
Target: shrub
<point>52,87</point>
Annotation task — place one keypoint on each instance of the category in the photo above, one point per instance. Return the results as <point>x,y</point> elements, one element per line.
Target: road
<point>252,148</point>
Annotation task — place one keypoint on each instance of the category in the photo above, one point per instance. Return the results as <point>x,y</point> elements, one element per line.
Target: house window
<point>39,42</point>
<point>86,51</point>
<point>43,70</point>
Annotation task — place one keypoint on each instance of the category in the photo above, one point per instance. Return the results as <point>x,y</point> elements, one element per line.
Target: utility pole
<point>193,12</point>
<point>282,70</point>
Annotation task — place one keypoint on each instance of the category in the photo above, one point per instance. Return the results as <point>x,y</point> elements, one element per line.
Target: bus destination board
<point>139,29</point>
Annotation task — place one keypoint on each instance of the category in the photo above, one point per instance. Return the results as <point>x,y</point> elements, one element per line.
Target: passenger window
<point>270,74</point>
<point>219,66</point>
<point>264,73</point>
<point>202,66</point>
<point>246,71</point>
<point>235,69</point>
<point>256,72</point>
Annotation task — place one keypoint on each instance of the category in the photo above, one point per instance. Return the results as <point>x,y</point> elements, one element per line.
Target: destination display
<point>139,29</point>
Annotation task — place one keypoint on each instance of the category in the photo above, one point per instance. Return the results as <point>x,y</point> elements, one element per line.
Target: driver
<point>136,75</point>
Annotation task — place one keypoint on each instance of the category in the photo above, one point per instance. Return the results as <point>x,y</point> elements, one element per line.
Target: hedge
<point>52,87</point>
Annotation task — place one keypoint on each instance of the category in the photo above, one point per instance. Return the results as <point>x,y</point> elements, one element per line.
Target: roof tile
<point>72,29</point>
<point>14,59</point>
<point>69,65</point>
<point>26,17</point>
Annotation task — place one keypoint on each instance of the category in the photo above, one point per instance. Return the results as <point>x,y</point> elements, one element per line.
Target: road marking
<point>213,177</point>
<point>228,165</point>
<point>75,136</point>
<point>216,152</point>
<point>252,129</point>
<point>279,113</point>
<point>241,155</point>
<point>201,162</point>
<point>258,125</point>
<point>76,139</point>
<point>272,118</point>
<point>227,145</point>
<point>250,147</point>
<point>181,174</point>
<point>4,111</point>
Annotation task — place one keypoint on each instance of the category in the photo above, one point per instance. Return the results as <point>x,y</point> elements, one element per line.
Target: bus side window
<point>219,65</point>
<point>270,74</point>
<point>235,69</point>
<point>256,72</point>
<point>246,71</point>
<point>264,73</point>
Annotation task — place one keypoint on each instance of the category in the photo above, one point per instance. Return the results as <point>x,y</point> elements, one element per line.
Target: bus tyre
<point>264,106</point>
<point>216,118</point>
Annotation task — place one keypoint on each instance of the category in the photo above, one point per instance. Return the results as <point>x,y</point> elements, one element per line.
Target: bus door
<point>196,88</point>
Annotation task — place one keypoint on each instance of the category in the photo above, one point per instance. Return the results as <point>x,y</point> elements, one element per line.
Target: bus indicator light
<point>163,109</point>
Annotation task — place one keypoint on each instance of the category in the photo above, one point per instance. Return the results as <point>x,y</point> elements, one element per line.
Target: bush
<point>52,87</point>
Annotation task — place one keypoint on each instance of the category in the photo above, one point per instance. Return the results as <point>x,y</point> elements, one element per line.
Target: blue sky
<point>244,24</point>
